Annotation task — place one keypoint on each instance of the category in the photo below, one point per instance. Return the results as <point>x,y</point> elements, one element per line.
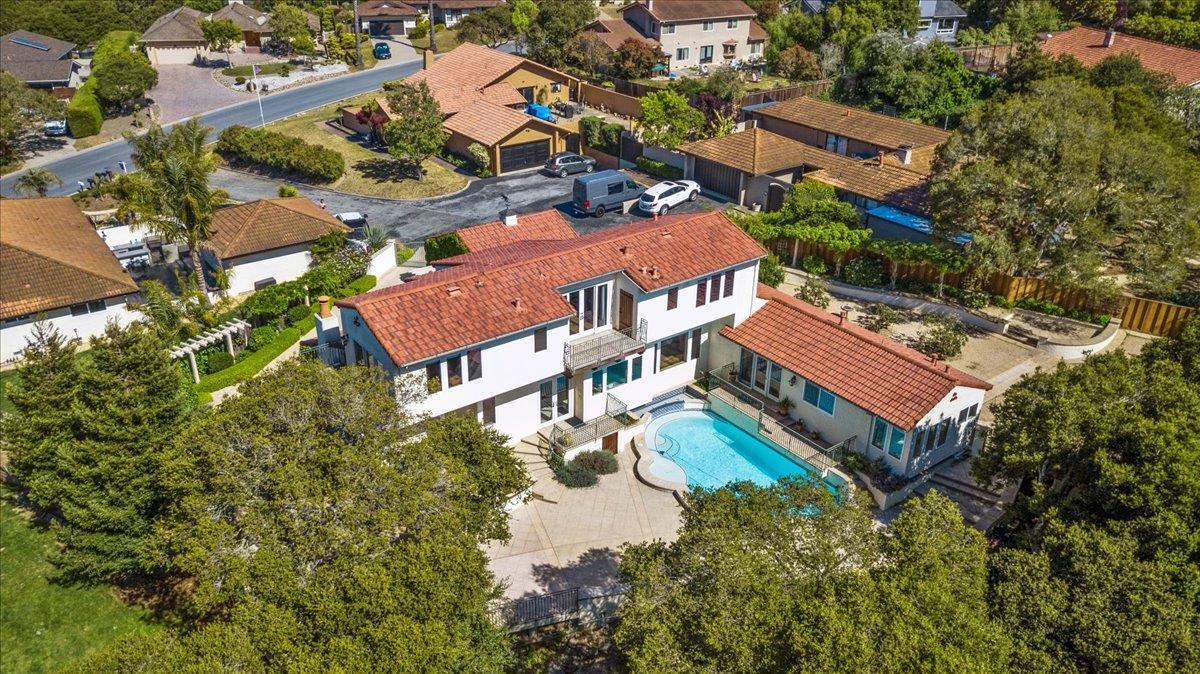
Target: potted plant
<point>784,406</point>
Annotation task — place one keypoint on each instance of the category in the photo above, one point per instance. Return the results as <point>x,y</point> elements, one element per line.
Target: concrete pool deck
<point>576,539</point>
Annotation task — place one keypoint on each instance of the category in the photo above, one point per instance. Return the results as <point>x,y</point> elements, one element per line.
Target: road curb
<point>355,195</point>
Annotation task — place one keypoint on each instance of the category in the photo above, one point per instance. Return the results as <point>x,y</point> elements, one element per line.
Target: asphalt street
<point>285,103</point>
<point>413,221</point>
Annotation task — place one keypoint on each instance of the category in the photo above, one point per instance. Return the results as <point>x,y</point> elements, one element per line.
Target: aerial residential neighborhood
<point>599,336</point>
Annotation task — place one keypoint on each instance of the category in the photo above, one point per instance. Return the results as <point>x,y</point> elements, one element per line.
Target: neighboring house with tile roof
<point>381,18</point>
<point>1092,45</point>
<point>689,33</point>
<point>40,61</point>
<point>532,333</point>
<point>483,92</point>
<point>544,226</point>
<point>268,241</point>
<point>848,383</point>
<point>852,131</point>
<point>54,266</point>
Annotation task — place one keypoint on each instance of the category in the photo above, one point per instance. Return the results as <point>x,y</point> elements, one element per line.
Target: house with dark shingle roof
<point>176,37</point>
<point>850,384</point>
<point>40,61</point>
<point>268,241</point>
<point>388,17</point>
<point>55,267</point>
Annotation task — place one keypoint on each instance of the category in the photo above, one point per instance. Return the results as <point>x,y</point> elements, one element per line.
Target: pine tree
<point>43,395</point>
<point>129,404</point>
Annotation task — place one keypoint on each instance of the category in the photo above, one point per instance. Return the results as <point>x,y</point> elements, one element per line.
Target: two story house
<point>939,20</point>
<point>690,33</point>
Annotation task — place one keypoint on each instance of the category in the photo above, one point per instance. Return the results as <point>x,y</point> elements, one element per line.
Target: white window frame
<point>668,28</point>
<point>945,31</point>
<point>706,26</point>
<point>924,24</point>
<point>731,24</point>
<point>683,53</point>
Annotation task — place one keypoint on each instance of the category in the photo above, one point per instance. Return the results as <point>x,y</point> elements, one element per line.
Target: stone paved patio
<point>575,540</point>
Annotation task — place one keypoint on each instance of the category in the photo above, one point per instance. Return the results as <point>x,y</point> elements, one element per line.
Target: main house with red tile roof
<point>1092,45</point>
<point>689,33</point>
<point>560,337</point>
<point>55,267</point>
<point>483,92</point>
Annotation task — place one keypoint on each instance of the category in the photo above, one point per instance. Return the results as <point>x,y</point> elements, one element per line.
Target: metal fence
<point>333,355</point>
<point>582,605</point>
<point>616,417</point>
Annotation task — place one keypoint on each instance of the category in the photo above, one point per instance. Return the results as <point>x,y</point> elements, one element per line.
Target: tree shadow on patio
<point>596,567</point>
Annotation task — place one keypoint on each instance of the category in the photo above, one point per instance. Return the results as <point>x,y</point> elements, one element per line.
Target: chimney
<point>624,250</point>
<point>649,5</point>
<point>842,317</point>
<point>516,303</point>
<point>933,357</point>
<point>428,56</point>
<point>905,153</point>
<point>1108,37</point>
<point>510,219</point>
<point>323,302</point>
<point>879,157</point>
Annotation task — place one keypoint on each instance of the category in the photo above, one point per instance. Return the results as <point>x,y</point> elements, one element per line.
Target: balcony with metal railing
<point>602,347</point>
<point>565,436</point>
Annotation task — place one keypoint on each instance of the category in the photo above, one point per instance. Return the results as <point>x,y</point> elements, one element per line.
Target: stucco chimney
<point>510,219</point>
<point>428,59</point>
<point>905,152</point>
<point>1108,37</point>
<point>879,157</point>
<point>649,4</point>
<point>323,302</point>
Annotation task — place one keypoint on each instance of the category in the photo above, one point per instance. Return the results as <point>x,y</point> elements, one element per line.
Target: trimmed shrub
<point>255,362</point>
<point>597,461</point>
<point>358,287</point>
<point>863,271</point>
<point>334,272</point>
<point>278,151</point>
<point>83,111</point>
<point>813,265</point>
<point>945,337</point>
<point>770,271</point>
<point>658,169</point>
<point>403,254</point>
<point>880,317</point>
<point>298,313</point>
<point>815,292</point>
<point>480,156</point>
<point>112,43</point>
<point>576,475</point>
<point>273,301</point>
<point>589,129</point>
<point>611,133</point>
<point>219,361</point>
<point>260,337</point>
<point>443,246</point>
<point>239,80</point>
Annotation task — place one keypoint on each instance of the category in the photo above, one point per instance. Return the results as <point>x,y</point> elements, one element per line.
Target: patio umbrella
<point>659,67</point>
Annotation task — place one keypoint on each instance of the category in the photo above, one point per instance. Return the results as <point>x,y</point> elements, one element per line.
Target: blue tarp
<point>913,222</point>
<point>540,111</point>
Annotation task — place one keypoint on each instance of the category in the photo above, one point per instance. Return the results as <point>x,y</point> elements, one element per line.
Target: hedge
<point>282,152</point>
<point>83,111</point>
<point>113,42</point>
<point>443,246</point>
<point>658,169</point>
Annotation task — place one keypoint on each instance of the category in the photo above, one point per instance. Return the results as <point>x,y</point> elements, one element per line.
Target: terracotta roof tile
<point>544,226</point>
<point>51,257</point>
<point>887,184</point>
<point>879,375</point>
<point>1087,45</point>
<point>694,10</point>
<point>467,65</point>
<point>487,122</point>
<point>499,291</point>
<point>758,151</point>
<point>869,127</point>
<point>267,224</point>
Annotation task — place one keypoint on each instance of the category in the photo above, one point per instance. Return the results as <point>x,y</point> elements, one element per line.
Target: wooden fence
<point>1139,314</point>
<point>635,90</point>
<point>613,101</point>
<point>786,93</point>
<point>987,58</point>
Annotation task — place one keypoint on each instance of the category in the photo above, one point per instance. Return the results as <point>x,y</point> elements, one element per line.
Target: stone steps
<point>964,487</point>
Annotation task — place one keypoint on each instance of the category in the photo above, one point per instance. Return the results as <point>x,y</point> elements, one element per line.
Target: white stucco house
<point>561,337</point>
<point>689,33</point>
<point>55,268</point>
<point>268,241</point>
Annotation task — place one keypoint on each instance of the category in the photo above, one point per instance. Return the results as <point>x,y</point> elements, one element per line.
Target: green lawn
<point>447,39</point>
<point>6,378</point>
<point>263,69</point>
<point>43,626</point>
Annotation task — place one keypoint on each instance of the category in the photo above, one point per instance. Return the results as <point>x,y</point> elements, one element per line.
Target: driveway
<point>184,91</point>
<point>482,201</point>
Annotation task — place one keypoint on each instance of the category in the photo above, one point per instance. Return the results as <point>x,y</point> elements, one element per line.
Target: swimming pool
<point>709,451</point>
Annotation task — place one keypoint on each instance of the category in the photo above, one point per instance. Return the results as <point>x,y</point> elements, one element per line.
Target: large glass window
<point>546,396</point>
<point>696,343</point>
<point>919,442</point>
<point>714,288</point>
<point>930,437</point>
<point>589,309</point>
<point>564,404</point>
<point>943,431</point>
<point>682,53</point>
<point>489,410</point>
<point>474,364</point>
<point>433,376</point>
<point>879,433</point>
<point>598,382</point>
<point>573,298</point>
<point>602,305</point>
<point>819,398</point>
<point>672,351</point>
<point>760,373</point>
<point>745,365</point>
<point>539,339</point>
<point>774,380</point>
<point>454,371</point>
<point>617,374</point>
<point>637,368</point>
<point>896,447</point>
<point>672,298</point>
<point>701,294</point>
<point>728,283</point>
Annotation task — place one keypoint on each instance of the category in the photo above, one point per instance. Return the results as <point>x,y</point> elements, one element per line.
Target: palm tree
<point>170,194</point>
<point>37,181</point>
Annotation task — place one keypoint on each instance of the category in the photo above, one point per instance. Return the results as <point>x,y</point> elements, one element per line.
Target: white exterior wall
<point>182,54</point>
<point>692,35</point>
<point>13,337</point>
<point>121,235</point>
<point>960,398</point>
<point>282,264</point>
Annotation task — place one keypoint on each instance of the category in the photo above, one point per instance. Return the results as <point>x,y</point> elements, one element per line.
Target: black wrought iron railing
<point>331,354</point>
<point>604,346</point>
<point>564,437</point>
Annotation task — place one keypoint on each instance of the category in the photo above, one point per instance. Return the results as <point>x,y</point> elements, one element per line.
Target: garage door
<point>172,55</point>
<point>387,27</point>
<point>525,155</point>
<point>717,178</point>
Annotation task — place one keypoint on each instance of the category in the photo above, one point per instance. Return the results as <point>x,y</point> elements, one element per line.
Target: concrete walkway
<point>576,540</point>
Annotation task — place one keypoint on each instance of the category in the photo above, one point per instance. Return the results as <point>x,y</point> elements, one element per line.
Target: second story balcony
<point>602,347</point>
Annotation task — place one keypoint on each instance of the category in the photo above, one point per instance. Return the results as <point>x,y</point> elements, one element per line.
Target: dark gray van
<point>604,191</point>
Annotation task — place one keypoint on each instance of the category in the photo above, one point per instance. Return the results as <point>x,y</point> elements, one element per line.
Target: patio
<point>572,537</point>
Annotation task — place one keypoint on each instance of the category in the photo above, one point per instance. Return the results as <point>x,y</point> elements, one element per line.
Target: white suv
<point>667,194</point>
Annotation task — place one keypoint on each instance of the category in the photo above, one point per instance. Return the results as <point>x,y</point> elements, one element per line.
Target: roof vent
<point>666,233</point>
<point>933,357</point>
<point>479,282</point>
<point>510,219</point>
<point>516,303</point>
<point>624,250</point>
<point>454,291</point>
<point>654,273</point>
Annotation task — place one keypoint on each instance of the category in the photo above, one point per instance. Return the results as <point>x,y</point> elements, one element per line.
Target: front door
<point>609,443</point>
<point>625,311</point>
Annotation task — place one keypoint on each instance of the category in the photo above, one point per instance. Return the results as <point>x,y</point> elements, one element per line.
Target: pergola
<point>224,331</point>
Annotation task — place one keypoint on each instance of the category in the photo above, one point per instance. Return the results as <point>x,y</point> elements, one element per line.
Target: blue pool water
<point>714,452</point>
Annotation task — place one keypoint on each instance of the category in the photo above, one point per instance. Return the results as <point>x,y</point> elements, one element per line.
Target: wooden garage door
<point>523,156</point>
<point>717,177</point>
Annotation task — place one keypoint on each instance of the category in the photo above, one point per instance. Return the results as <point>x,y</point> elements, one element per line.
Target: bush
<point>598,461</point>
<point>358,287</point>
<point>298,313</point>
<point>589,129</point>
<point>403,254</point>
<point>813,265</point>
<point>286,190</point>
<point>880,317</point>
<point>658,169</point>
<point>976,299</point>
<point>239,80</point>
<point>443,246</point>
<point>272,302</point>
<point>112,43</point>
<point>285,70</point>
<point>863,271</point>
<point>219,361</point>
<point>334,272</point>
<point>944,337</point>
<point>1052,309</point>
<point>480,156</point>
<point>1002,302</point>
<point>260,337</point>
<point>255,362</point>
<point>83,111</point>
<point>611,135</point>
<point>815,292</point>
<point>282,152</point>
<point>770,271</point>
<point>576,475</point>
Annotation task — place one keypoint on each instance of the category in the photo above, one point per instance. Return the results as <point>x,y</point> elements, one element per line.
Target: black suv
<point>564,164</point>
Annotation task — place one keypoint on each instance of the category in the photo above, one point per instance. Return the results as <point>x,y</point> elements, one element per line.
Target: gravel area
<point>299,75</point>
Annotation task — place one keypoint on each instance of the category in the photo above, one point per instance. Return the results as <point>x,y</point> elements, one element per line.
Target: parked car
<point>566,163</point>
<point>667,194</point>
<point>596,193</point>
<point>352,219</point>
<point>382,50</point>
<point>540,111</point>
<point>55,127</point>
